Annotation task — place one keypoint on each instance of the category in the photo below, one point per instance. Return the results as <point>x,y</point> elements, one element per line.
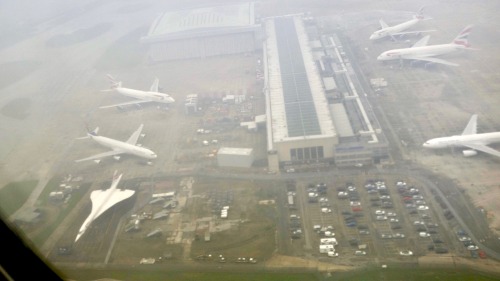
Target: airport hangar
<point>303,126</point>
<point>204,32</point>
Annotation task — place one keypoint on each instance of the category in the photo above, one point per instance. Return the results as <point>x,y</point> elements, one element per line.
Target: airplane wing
<point>433,60</point>
<point>154,87</point>
<point>126,103</point>
<point>412,32</point>
<point>101,155</point>
<point>483,148</point>
<point>471,128</point>
<point>103,200</point>
<point>135,136</point>
<point>383,24</point>
<point>422,42</point>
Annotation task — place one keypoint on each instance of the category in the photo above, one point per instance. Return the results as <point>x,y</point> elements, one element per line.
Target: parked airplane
<point>119,147</point>
<point>469,139</point>
<point>421,52</point>
<point>399,29</point>
<point>102,200</point>
<point>143,96</point>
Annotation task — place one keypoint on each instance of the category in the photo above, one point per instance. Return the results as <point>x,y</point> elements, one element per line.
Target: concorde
<point>469,139</point>
<point>153,95</point>
<point>119,147</point>
<point>103,200</point>
<point>421,52</point>
<point>399,29</point>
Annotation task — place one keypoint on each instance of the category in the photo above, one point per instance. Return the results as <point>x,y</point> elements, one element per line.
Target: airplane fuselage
<point>125,147</point>
<point>388,31</point>
<point>103,200</point>
<point>146,95</point>
<point>424,51</point>
<point>459,141</point>
<point>95,212</point>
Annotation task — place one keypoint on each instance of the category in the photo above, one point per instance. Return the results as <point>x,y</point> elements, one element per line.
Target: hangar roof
<point>298,104</point>
<point>202,20</point>
<point>235,151</point>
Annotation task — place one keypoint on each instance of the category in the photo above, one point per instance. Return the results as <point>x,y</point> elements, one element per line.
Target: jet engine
<point>469,153</point>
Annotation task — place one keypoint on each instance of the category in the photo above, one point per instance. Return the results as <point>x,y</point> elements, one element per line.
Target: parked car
<point>406,253</point>
<point>333,254</point>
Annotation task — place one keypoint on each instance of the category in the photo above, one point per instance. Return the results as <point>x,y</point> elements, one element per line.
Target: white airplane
<point>143,96</point>
<point>399,29</point>
<point>421,52</point>
<point>469,139</point>
<point>102,200</point>
<point>118,147</point>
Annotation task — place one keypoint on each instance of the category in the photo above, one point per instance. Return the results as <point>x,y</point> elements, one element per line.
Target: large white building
<point>204,32</point>
<point>235,157</point>
<point>299,124</point>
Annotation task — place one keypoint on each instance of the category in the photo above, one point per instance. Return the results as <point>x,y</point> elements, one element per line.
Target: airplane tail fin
<point>462,37</point>
<point>92,133</point>
<point>114,83</point>
<point>471,128</point>
<point>420,14</point>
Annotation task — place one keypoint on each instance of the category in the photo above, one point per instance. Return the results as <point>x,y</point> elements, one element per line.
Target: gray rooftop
<point>341,120</point>
<point>202,20</point>
<point>298,104</point>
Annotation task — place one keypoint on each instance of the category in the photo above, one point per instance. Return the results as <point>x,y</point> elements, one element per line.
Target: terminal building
<point>204,32</point>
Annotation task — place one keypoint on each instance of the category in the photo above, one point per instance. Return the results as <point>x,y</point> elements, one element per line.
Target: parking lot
<point>371,218</point>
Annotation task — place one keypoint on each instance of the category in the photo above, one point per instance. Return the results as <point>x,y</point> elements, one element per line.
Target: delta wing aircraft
<point>103,200</point>
<point>421,52</point>
<point>469,139</point>
<point>399,29</point>
<point>153,95</point>
<point>118,147</point>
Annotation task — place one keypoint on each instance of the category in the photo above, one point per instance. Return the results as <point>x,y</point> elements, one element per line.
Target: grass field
<point>60,212</point>
<point>407,274</point>
<point>13,196</point>
<point>125,52</point>
<point>414,274</point>
<point>84,275</point>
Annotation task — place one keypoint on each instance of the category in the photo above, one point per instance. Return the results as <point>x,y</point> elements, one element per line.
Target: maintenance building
<point>204,32</point>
